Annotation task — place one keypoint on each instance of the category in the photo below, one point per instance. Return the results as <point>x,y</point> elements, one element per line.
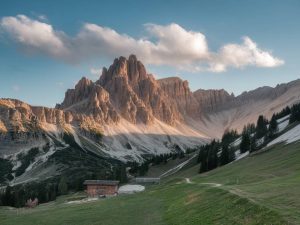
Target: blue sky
<point>209,36</point>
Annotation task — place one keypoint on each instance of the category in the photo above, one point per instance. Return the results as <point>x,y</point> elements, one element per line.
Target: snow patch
<point>178,167</point>
<point>239,155</point>
<point>82,201</point>
<point>237,142</point>
<point>283,119</point>
<point>260,141</point>
<point>130,189</point>
<point>283,125</point>
<point>290,136</point>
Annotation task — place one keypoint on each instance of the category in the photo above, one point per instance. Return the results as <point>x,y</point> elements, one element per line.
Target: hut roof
<point>103,182</point>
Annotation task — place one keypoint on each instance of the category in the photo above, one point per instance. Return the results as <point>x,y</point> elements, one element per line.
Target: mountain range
<point>127,115</point>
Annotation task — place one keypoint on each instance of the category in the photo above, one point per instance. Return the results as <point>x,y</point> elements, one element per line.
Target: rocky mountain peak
<point>131,69</point>
<point>126,91</point>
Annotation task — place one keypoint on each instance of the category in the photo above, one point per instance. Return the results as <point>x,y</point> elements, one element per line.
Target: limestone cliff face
<point>179,93</point>
<point>211,100</point>
<point>128,105</point>
<point>125,90</point>
<point>121,81</point>
<point>18,116</point>
<point>89,99</point>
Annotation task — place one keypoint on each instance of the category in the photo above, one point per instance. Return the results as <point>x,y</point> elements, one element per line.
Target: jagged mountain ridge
<point>125,90</point>
<point>128,115</point>
<point>132,94</point>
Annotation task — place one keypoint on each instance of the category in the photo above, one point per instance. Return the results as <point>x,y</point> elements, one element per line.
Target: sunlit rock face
<point>212,100</point>
<point>127,106</point>
<point>125,90</point>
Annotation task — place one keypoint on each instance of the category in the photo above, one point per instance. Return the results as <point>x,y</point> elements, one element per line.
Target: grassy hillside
<point>260,189</point>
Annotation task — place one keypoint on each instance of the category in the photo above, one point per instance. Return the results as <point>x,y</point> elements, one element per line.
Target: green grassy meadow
<point>260,189</point>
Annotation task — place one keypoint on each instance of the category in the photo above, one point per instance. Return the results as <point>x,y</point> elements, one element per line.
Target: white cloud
<point>34,35</point>
<point>164,45</point>
<point>241,55</point>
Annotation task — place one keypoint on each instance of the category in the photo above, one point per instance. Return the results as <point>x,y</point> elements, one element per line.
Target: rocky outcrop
<point>18,116</point>
<point>125,90</point>
<point>90,99</point>
<point>212,100</point>
<point>179,93</point>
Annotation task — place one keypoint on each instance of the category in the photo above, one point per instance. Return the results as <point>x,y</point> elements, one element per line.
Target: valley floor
<point>260,189</point>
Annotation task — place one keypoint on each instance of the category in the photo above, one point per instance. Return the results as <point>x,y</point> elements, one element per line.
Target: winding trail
<point>188,181</point>
<point>233,190</point>
<point>213,184</point>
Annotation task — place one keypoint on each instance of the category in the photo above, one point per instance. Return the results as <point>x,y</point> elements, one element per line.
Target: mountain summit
<point>127,91</point>
<point>127,115</point>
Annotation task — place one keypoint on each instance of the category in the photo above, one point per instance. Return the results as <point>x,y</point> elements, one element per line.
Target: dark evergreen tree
<point>121,174</point>
<point>62,186</point>
<point>212,160</point>
<point>273,126</point>
<point>284,112</point>
<point>53,191</point>
<point>245,143</point>
<point>253,146</point>
<point>203,158</point>
<point>229,136</point>
<point>261,127</point>
<point>8,199</point>
<point>295,113</point>
<point>249,128</point>
<point>143,169</point>
<point>224,159</point>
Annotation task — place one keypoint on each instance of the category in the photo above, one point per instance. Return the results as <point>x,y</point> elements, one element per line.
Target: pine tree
<point>121,174</point>
<point>203,157</point>
<point>144,168</point>
<point>284,112</point>
<point>212,159</point>
<point>62,186</point>
<point>295,113</point>
<point>245,143</point>
<point>261,127</point>
<point>8,199</point>
<point>273,126</point>
<point>229,136</point>
<point>224,155</point>
<point>253,146</point>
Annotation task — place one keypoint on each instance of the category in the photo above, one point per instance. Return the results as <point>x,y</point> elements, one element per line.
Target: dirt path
<point>188,181</point>
<point>213,184</point>
<point>233,190</point>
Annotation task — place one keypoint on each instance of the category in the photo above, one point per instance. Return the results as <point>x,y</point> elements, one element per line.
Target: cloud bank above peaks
<point>170,45</point>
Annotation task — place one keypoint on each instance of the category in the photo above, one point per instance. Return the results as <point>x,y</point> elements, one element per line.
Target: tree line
<point>217,153</point>
<point>253,138</point>
<point>48,190</point>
